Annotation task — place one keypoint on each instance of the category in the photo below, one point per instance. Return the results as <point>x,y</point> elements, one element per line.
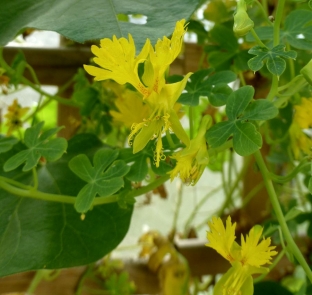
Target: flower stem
<point>291,245</point>
<point>254,34</point>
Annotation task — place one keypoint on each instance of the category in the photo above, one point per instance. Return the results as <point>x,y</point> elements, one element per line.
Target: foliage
<point>69,202</point>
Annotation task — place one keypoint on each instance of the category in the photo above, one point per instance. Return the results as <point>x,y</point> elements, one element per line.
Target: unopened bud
<point>242,23</point>
<point>306,72</point>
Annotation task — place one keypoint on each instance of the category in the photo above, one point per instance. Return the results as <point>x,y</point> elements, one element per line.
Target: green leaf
<point>38,146</point>
<point>246,138</point>
<point>240,109</point>
<point>224,37</point>
<point>293,213</point>
<point>139,169</point>
<point>219,133</point>
<point>6,143</point>
<point>238,101</point>
<point>275,64</point>
<point>94,19</point>
<point>260,109</point>
<point>298,29</point>
<point>104,178</point>
<point>205,83</point>
<point>37,234</point>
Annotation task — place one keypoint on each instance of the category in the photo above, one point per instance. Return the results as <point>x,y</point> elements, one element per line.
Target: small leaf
<point>275,64</point>
<point>38,146</point>
<point>246,139</point>
<point>6,143</point>
<point>104,178</point>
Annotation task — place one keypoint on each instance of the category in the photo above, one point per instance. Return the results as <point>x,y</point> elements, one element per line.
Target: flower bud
<point>306,72</point>
<point>242,23</point>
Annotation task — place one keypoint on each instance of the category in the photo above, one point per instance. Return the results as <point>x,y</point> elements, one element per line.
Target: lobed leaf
<point>104,178</point>
<point>38,146</point>
<point>275,64</point>
<point>6,143</point>
<point>205,83</point>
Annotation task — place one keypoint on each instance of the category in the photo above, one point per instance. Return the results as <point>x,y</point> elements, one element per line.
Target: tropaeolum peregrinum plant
<point>67,205</point>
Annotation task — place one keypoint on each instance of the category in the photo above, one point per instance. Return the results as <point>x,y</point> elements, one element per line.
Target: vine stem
<point>277,22</point>
<point>291,245</point>
<point>29,192</point>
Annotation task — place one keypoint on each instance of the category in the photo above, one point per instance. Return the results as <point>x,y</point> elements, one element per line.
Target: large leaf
<point>104,179</point>
<point>93,19</point>
<point>37,146</point>
<point>37,234</point>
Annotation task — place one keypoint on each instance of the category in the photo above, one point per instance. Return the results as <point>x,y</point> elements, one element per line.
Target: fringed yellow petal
<point>255,253</point>
<point>221,238</point>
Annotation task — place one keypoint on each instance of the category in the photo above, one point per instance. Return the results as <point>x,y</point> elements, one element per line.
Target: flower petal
<point>221,238</point>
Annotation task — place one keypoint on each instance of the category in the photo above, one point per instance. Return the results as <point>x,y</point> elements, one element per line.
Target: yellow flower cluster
<point>246,259</point>
<point>117,60</point>
<point>13,116</point>
<point>192,160</point>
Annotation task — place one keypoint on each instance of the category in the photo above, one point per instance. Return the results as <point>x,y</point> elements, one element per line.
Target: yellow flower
<point>299,141</point>
<point>14,115</point>
<point>303,113</point>
<point>131,108</point>
<point>192,160</point>
<point>246,259</point>
<point>118,61</point>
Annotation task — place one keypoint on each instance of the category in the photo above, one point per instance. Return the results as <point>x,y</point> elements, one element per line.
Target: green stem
<point>86,273</point>
<point>241,78</point>
<point>254,34</point>
<point>291,245</point>
<point>282,179</point>
<point>29,192</point>
<point>274,88</point>
<point>25,81</point>
<point>198,206</point>
<point>15,183</point>
<point>234,186</point>
<point>145,189</point>
<point>264,8</point>
<point>178,206</point>
<point>35,281</point>
<point>252,193</point>
<point>277,22</point>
